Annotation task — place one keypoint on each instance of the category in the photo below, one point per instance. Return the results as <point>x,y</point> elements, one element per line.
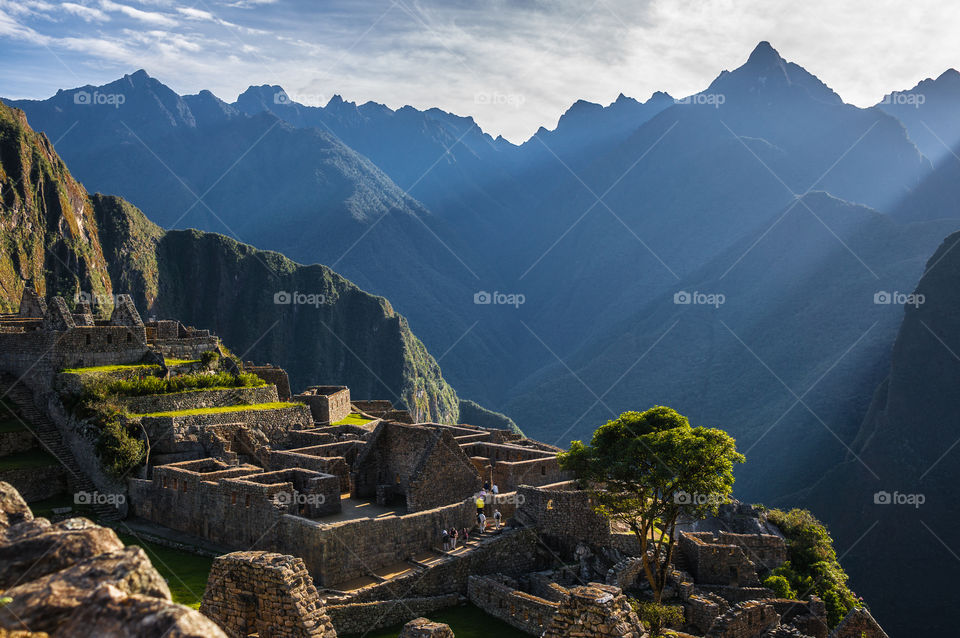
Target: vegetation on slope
<point>813,567</point>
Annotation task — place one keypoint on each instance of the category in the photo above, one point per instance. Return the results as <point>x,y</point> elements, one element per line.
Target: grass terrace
<point>170,361</point>
<point>182,383</point>
<point>277,405</point>
<point>114,368</point>
<point>353,419</point>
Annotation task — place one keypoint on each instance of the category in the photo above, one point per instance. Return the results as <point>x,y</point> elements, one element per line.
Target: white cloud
<point>147,17</point>
<point>87,14</point>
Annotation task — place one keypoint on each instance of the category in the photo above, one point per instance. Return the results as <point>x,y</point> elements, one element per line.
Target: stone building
<point>270,595</point>
<point>417,467</point>
<point>328,403</point>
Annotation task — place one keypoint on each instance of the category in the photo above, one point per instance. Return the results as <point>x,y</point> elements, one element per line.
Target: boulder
<point>47,602</point>
<point>36,548</point>
<point>426,628</point>
<point>111,613</point>
<point>13,509</point>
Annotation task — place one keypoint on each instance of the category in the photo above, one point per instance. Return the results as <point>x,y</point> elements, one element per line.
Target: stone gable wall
<point>518,609</point>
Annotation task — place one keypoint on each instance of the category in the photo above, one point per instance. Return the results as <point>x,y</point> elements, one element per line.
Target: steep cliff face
<point>895,504</point>
<point>308,319</point>
<point>47,225</point>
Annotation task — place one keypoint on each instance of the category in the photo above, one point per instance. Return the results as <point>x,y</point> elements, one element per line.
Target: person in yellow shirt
<point>480,505</point>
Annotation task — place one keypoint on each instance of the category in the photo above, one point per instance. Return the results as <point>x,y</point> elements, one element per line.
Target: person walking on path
<point>445,537</point>
<point>497,517</point>
<point>454,537</point>
<point>480,504</point>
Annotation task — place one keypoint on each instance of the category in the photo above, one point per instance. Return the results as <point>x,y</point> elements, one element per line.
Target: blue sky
<point>513,65</point>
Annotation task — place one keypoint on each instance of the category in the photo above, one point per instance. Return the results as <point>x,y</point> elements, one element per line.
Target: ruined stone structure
<point>416,466</point>
<point>859,623</point>
<point>508,465</point>
<point>425,628</point>
<point>273,375</point>
<point>745,620</point>
<point>499,597</point>
<point>738,560</point>
<point>235,506</point>
<point>328,403</point>
<point>270,595</point>
<point>595,611</point>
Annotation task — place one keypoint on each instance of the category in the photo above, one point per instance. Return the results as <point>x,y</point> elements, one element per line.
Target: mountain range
<point>743,254</point>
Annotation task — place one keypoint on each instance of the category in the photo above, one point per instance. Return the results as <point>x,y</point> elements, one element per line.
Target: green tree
<point>644,469</point>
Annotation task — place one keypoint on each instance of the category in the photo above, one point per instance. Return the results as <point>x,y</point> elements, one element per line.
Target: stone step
<point>46,432</point>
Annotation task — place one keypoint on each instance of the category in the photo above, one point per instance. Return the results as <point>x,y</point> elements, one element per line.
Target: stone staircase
<point>47,434</point>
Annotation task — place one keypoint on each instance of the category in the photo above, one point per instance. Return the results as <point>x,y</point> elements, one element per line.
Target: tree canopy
<point>646,469</point>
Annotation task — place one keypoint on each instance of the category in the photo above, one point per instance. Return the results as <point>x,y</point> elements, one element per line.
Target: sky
<point>513,65</point>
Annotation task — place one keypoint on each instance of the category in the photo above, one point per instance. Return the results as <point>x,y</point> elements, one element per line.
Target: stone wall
<point>233,506</point>
<point>715,563</point>
<point>177,401</point>
<point>562,513</point>
<point>328,403</point>
<point>595,611</point>
<point>524,611</point>
<point>745,620</point>
<point>513,553</point>
<point>37,483</point>
<point>17,441</point>
<point>359,618</point>
<point>421,466</point>
<point>272,375</point>
<point>508,466</point>
<point>858,623</point>
<point>270,595</point>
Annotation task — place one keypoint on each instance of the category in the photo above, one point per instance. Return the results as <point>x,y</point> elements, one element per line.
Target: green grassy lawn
<point>131,366</point>
<point>185,573</point>
<point>45,507</point>
<point>353,419</point>
<point>179,362</point>
<point>28,459</point>
<point>466,621</point>
<point>228,408</point>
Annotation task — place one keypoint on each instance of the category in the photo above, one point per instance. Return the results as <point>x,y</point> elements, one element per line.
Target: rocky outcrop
<point>425,628</point>
<point>75,578</point>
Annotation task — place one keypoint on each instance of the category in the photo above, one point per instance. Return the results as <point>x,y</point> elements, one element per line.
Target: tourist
<point>496,490</point>
<point>466,535</point>
<point>445,537</point>
<point>482,522</point>
<point>480,504</point>
<point>497,517</point>
<point>486,486</point>
<point>454,536</point>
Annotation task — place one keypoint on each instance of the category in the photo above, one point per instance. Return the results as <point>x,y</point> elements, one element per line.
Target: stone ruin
<point>328,403</point>
<point>594,611</point>
<point>859,623</point>
<point>267,594</point>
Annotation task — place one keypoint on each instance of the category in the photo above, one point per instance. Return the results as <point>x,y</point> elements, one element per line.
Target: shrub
<point>657,616</point>
<point>181,383</point>
<point>780,586</point>
<point>813,566</point>
<point>118,449</point>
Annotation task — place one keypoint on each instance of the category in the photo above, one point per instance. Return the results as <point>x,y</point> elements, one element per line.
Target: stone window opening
<point>88,340</point>
<point>233,498</point>
<point>109,339</point>
<point>129,337</point>
<point>246,501</point>
<point>543,470</point>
